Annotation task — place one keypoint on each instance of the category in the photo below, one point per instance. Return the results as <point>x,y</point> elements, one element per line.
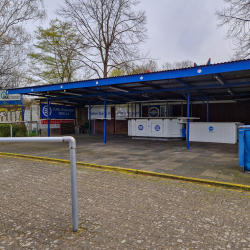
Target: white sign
<point>54,123</point>
<point>123,111</point>
<point>5,97</point>
<point>98,112</point>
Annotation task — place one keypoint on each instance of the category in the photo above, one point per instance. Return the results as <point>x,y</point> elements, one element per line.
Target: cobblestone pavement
<point>212,161</point>
<point>116,211</point>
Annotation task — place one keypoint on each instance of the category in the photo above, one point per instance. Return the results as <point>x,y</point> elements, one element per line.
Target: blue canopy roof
<point>224,81</point>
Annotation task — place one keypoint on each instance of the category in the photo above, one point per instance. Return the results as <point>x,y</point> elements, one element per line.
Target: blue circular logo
<point>157,128</point>
<point>211,128</point>
<point>4,95</point>
<point>140,127</point>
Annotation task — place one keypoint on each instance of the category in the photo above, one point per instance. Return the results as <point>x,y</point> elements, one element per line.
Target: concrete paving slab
<point>146,155</point>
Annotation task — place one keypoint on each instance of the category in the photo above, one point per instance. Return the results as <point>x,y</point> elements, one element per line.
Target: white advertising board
<point>98,112</point>
<point>219,132</point>
<point>54,123</point>
<point>124,111</point>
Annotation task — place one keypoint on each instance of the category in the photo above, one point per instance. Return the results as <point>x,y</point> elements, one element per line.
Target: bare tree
<point>177,65</point>
<point>112,31</point>
<point>132,69</point>
<point>237,17</point>
<point>12,59</point>
<point>150,66</point>
<point>14,15</point>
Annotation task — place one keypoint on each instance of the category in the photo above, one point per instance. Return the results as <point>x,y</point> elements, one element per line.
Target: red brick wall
<point>81,116</point>
<point>121,125</point>
<point>99,126</point>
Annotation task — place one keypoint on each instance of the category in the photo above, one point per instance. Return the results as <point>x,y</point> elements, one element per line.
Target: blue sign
<point>140,127</point>
<point>154,111</point>
<point>211,129</point>
<point>157,128</point>
<point>58,112</point>
<point>11,103</point>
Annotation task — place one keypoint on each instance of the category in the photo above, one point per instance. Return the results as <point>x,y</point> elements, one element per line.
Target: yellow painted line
<point>131,170</point>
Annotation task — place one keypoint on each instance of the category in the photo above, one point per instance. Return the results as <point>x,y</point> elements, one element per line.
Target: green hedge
<point>18,130</point>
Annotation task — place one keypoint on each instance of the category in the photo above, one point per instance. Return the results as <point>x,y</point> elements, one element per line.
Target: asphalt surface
<point>116,211</point>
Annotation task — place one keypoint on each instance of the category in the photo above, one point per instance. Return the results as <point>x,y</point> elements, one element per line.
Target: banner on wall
<point>58,112</point>
<point>125,110</point>
<point>98,112</point>
<point>54,123</point>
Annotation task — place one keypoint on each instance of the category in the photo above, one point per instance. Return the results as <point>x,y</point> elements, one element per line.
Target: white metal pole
<point>72,146</point>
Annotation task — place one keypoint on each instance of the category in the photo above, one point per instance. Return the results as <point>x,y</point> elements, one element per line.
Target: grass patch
<point>31,134</point>
<point>18,130</point>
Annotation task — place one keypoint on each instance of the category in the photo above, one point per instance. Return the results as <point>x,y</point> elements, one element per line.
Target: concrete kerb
<point>133,171</point>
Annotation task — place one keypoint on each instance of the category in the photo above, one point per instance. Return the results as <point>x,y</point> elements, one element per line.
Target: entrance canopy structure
<point>220,82</point>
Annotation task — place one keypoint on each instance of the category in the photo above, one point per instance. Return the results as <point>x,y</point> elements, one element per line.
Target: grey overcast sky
<point>179,30</point>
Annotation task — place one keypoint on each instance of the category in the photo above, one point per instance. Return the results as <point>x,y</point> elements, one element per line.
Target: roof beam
<point>149,84</point>
<point>188,84</point>
<point>223,82</point>
<point>219,96</point>
<point>122,93</point>
<point>118,89</point>
<point>183,94</point>
<point>163,90</point>
<point>70,93</point>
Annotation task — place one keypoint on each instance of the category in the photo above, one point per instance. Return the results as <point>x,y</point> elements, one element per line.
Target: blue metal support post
<point>242,149</point>
<point>207,110</point>
<point>22,108</point>
<point>89,119</point>
<point>48,117</point>
<point>105,116</point>
<point>188,115</point>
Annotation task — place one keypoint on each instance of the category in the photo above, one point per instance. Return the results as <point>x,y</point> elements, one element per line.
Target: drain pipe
<point>72,147</point>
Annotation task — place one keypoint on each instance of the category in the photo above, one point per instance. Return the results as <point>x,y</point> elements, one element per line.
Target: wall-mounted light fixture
<point>219,79</point>
<point>106,100</point>
<point>119,89</point>
<point>70,93</point>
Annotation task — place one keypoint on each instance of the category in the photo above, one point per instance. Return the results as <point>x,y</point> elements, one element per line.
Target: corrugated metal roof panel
<point>201,81</point>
